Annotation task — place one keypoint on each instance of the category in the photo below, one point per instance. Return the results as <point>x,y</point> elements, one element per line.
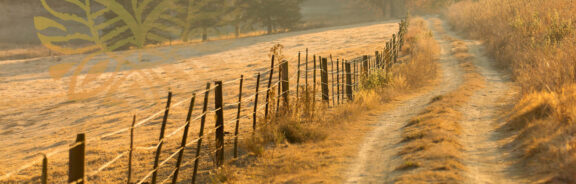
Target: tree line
<point>183,19</point>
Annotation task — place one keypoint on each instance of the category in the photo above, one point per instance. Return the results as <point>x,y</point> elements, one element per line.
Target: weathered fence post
<point>348,81</point>
<point>131,150</point>
<point>356,75</point>
<point>314,83</point>
<point>44,177</point>
<point>201,134</point>
<point>338,79</point>
<point>394,48</point>
<point>268,90</point>
<point>161,138</point>
<point>254,114</point>
<point>77,162</point>
<point>342,82</point>
<point>365,66</point>
<point>219,125</point>
<point>298,79</point>
<point>285,83</point>
<point>306,74</point>
<point>279,93</point>
<point>184,139</point>
<point>332,83</point>
<point>324,80</point>
<point>377,55</point>
<point>238,117</point>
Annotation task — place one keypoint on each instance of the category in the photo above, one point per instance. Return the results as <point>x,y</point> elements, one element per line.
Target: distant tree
<point>390,8</point>
<point>237,14</point>
<point>275,14</point>
<point>207,14</point>
<point>397,8</point>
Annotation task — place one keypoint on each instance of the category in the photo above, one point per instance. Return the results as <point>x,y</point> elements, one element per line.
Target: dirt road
<point>485,159</point>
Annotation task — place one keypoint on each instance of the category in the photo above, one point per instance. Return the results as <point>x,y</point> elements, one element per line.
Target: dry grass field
<point>536,41</point>
<point>485,92</point>
<point>44,115</point>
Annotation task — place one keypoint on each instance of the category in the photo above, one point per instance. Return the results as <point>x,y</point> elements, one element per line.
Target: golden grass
<point>431,150</point>
<point>536,40</point>
<point>330,136</point>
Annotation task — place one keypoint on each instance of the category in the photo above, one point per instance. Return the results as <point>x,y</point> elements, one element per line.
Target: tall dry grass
<point>536,41</point>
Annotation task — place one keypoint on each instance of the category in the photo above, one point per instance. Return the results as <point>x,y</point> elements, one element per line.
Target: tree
<point>275,13</point>
<point>237,14</point>
<point>207,14</point>
<point>390,8</point>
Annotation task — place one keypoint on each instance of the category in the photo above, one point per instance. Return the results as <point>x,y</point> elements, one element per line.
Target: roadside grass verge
<point>315,145</point>
<point>536,41</point>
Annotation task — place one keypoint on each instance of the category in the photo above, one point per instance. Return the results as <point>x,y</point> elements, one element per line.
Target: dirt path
<point>485,159</point>
<point>377,157</point>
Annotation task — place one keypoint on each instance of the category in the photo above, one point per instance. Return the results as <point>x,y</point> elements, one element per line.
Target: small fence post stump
<point>77,162</point>
<point>44,177</point>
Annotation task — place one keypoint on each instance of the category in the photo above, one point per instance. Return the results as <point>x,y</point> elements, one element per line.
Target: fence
<point>338,80</point>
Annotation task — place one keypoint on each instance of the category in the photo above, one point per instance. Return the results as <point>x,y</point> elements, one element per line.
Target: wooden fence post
<point>338,79</point>
<point>342,82</point>
<point>378,62</point>
<point>44,177</point>
<point>268,90</point>
<point>201,134</point>
<point>365,66</point>
<point>356,75</point>
<point>298,79</point>
<point>184,139</point>
<point>314,83</point>
<point>285,83</point>
<point>131,150</point>
<point>219,105</point>
<point>348,81</point>
<point>254,114</point>
<point>394,48</point>
<point>324,80</point>
<point>238,117</point>
<point>306,74</point>
<point>161,138</point>
<point>279,93</point>
<point>77,162</point>
<point>333,83</point>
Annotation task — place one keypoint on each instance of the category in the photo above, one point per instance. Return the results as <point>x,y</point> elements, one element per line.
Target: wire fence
<point>332,82</point>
